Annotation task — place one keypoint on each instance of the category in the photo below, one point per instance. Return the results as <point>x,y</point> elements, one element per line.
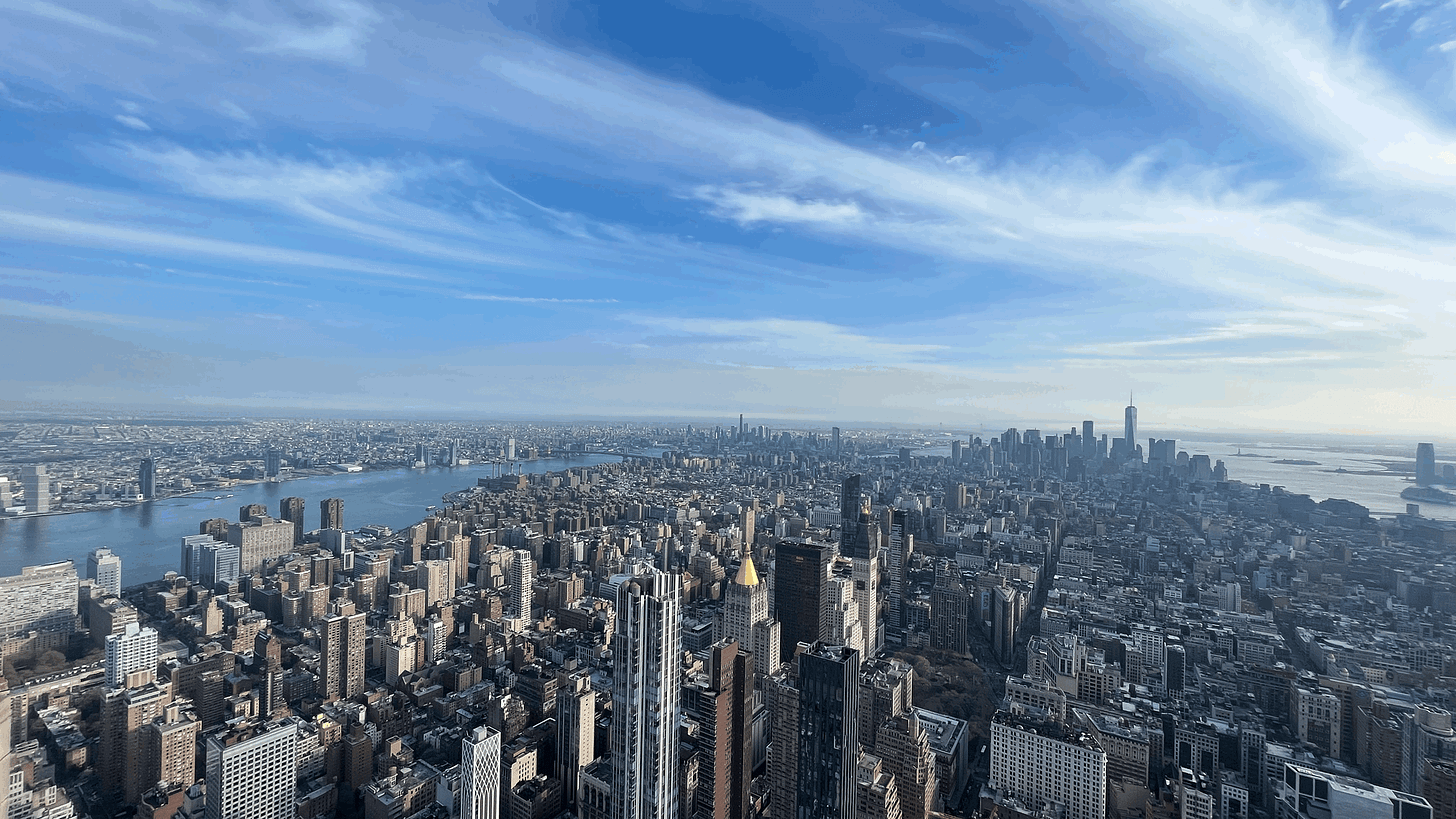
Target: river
<point>148,536</point>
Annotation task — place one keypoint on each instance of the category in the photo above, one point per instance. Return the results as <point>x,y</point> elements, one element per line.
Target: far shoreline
<point>242,482</point>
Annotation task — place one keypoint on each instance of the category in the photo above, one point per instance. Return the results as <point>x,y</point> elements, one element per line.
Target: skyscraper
<point>851,503</point>
<point>860,542</point>
<point>904,745</point>
<point>721,702</point>
<point>272,463</point>
<point>37,486</point>
<point>646,695</point>
<point>950,611</point>
<point>828,725</point>
<point>342,653</point>
<point>1425,464</point>
<point>104,567</point>
<point>746,620</point>
<point>1089,443</point>
<point>292,510</point>
<point>522,576</point>
<point>252,777</point>
<point>782,694</point>
<point>1129,427</point>
<point>480,765</point>
<point>576,715</point>
<point>801,569</point>
<point>331,514</point>
<point>147,478</point>
<point>902,544</point>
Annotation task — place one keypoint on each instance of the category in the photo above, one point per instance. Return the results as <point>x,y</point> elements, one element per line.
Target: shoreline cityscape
<point>1004,611</point>
<point>713,409</point>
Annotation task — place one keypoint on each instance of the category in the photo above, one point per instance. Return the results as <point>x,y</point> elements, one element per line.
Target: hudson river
<point>148,536</point>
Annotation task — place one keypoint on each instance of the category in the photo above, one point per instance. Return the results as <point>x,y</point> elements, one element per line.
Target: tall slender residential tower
<point>860,542</point>
<point>851,503</point>
<point>646,695</point>
<point>342,649</point>
<point>901,544</point>
<point>480,765</point>
<point>129,654</point>
<point>522,576</point>
<point>1129,426</point>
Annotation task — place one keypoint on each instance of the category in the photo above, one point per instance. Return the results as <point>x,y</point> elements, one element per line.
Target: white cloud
<point>785,342</point>
<point>356,197</point>
<point>1284,64</point>
<point>343,35</point>
<point>61,14</point>
<point>132,122</point>
<point>235,112</point>
<point>751,208</point>
<point>77,233</point>
<point>24,309</point>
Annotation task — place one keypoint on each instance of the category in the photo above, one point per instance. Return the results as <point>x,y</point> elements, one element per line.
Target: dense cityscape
<point>727,622</point>
<point>728,409</point>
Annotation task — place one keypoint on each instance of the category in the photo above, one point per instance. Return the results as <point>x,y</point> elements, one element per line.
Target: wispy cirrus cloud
<point>462,176</point>
<point>781,342</point>
<point>1286,70</point>
<point>70,17</point>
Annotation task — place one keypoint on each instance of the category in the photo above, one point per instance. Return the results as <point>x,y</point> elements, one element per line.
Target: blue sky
<point>916,212</point>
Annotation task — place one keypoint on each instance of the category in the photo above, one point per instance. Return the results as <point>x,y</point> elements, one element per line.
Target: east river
<point>148,536</point>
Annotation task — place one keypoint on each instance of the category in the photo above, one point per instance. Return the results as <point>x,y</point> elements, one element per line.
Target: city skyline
<point>728,409</point>
<point>749,624</point>
<point>910,214</point>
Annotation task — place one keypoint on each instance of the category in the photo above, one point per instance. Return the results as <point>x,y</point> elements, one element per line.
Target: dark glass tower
<point>828,726</point>
<point>147,478</point>
<point>800,570</point>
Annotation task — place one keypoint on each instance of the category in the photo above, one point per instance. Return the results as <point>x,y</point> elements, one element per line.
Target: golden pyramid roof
<point>747,575</point>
